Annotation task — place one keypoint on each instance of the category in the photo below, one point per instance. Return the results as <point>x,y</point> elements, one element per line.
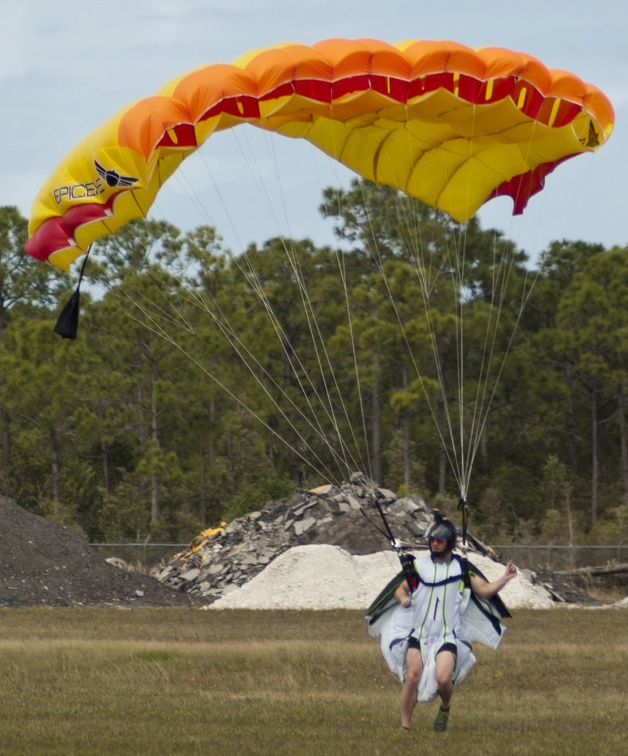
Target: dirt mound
<point>44,563</point>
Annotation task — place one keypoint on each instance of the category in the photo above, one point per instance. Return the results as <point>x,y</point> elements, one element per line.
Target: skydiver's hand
<point>402,596</point>
<point>510,572</point>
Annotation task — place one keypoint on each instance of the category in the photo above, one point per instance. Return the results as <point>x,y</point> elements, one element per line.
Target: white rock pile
<point>327,577</point>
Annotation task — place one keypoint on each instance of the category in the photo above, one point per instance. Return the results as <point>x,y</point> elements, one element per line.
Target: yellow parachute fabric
<point>440,121</point>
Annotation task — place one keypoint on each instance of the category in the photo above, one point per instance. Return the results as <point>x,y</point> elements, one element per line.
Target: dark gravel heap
<point>44,563</point>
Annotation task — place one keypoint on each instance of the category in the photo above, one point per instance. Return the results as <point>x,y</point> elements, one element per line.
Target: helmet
<point>443,529</point>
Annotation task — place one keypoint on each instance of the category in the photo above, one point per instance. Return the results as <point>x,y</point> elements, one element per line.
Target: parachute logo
<point>83,191</point>
<point>113,178</point>
<point>78,192</point>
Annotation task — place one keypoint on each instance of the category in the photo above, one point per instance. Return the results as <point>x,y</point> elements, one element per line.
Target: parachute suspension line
<point>367,463</point>
<point>502,270</point>
<point>156,320</point>
<point>355,365</point>
<point>291,255</point>
<point>381,267</point>
<point>311,319</point>
<point>364,464</point>
<point>460,461</point>
<point>317,339</point>
<point>459,268</point>
<point>420,268</point>
<point>323,361</point>
<point>525,296</point>
<point>427,282</point>
<point>457,261</point>
<point>153,325</point>
<point>420,251</point>
<point>157,316</point>
<point>320,350</point>
<point>480,406</point>
<point>180,178</point>
<point>427,278</point>
<point>252,278</point>
<point>312,418</point>
<point>470,430</point>
<point>253,166</point>
<point>503,267</point>
<point>423,284</point>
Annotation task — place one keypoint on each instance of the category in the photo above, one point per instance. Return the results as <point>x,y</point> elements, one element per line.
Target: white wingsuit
<point>444,609</point>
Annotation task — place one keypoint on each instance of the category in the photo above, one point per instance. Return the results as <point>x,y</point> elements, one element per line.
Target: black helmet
<point>443,529</point>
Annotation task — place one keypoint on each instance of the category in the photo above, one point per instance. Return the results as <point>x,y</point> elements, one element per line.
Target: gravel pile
<point>47,564</point>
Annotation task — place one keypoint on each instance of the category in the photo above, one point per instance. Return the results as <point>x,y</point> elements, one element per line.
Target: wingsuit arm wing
<point>386,600</point>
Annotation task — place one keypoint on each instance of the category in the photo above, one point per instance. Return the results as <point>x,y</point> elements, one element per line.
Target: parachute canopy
<point>449,125</point>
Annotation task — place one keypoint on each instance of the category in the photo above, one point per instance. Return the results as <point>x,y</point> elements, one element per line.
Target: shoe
<point>440,723</point>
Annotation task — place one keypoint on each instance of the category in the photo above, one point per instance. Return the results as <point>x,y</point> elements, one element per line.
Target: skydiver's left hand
<point>510,572</point>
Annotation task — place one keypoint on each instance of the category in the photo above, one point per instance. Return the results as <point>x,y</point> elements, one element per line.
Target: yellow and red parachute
<point>440,121</point>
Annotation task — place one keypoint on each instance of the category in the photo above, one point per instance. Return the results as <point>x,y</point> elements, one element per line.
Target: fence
<point>532,556</point>
<point>142,555</point>
<point>552,556</point>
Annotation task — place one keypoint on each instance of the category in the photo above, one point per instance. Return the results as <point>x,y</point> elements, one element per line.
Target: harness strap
<point>438,583</point>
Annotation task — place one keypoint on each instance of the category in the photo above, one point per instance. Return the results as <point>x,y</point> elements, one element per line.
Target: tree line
<point>203,383</point>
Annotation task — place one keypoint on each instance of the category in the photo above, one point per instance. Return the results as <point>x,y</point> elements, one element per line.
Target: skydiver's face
<point>438,546</point>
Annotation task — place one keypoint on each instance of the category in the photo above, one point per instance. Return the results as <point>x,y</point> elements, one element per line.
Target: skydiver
<point>436,602</point>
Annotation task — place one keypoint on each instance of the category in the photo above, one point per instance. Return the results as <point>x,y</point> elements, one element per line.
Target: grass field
<point>187,681</point>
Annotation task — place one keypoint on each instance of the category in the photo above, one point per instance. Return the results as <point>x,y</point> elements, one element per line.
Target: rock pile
<point>344,516</point>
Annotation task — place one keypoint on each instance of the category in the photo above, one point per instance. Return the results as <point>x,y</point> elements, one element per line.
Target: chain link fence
<point>559,557</point>
<point>149,556</point>
<point>145,557</point>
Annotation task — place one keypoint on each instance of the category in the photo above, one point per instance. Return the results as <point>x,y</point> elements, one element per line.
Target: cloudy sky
<point>67,66</point>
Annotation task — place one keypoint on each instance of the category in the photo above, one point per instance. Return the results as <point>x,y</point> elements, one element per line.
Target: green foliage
<point>395,469</point>
<point>251,497</point>
<point>125,513</point>
<point>611,529</point>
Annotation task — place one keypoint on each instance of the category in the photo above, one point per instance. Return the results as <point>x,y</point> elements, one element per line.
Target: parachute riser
<point>406,560</point>
<point>463,507</point>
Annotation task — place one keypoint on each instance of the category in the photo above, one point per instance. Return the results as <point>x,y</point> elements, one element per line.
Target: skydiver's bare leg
<point>414,667</point>
<point>445,663</point>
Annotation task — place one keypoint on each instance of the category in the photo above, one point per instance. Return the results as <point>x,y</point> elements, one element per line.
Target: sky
<point>67,66</point>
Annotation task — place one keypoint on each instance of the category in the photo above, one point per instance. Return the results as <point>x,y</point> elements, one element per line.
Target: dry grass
<point>185,681</point>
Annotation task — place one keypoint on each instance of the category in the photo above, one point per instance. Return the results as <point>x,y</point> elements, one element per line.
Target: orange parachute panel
<point>449,125</point>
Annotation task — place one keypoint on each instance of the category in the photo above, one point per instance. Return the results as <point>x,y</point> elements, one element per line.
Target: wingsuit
<point>444,609</point>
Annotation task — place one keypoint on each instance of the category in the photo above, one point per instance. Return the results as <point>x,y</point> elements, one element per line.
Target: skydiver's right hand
<point>403,596</point>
